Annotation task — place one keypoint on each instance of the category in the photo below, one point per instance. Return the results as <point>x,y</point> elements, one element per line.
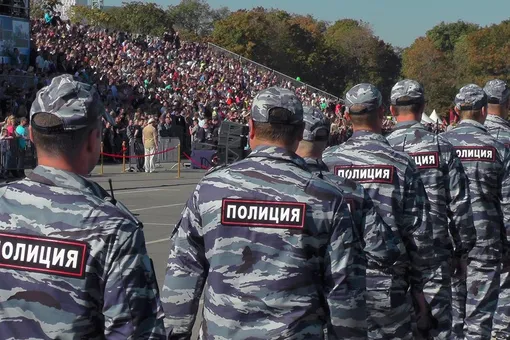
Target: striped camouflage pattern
<point>401,204</point>
<point>447,189</point>
<point>485,185</point>
<point>499,128</point>
<point>382,247</point>
<point>276,97</point>
<point>117,298</point>
<point>266,283</point>
<point>77,104</point>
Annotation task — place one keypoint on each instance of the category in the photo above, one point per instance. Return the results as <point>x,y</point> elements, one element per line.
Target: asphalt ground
<point>157,200</point>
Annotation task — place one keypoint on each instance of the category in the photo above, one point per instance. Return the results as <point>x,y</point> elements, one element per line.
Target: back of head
<point>316,133</point>
<point>407,97</point>
<point>364,103</point>
<point>276,118</point>
<point>62,117</point>
<point>471,103</point>
<point>498,95</point>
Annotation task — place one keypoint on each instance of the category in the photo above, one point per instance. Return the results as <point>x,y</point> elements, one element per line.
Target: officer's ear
<point>347,115</point>
<point>393,111</point>
<point>30,134</point>
<point>251,126</point>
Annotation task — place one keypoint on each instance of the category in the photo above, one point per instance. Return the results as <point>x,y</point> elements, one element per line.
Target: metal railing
<point>293,81</point>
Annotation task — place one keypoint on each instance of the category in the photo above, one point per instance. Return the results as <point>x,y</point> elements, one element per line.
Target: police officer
<point>483,158</point>
<point>382,247</point>
<point>394,185</point>
<point>73,265</point>
<point>498,98</point>
<point>272,246</point>
<point>447,188</point>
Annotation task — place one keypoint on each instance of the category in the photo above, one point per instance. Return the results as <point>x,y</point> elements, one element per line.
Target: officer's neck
<point>369,128</point>
<point>62,164</point>
<point>407,117</point>
<point>256,142</point>
<point>497,110</point>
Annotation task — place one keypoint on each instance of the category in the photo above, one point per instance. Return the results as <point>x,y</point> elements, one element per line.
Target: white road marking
<point>138,191</point>
<point>158,241</point>
<point>158,206</point>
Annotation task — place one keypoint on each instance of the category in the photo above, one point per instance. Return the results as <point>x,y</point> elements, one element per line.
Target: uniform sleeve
<point>345,284</point>
<point>185,275</point>
<point>417,229</point>
<point>382,246</point>
<point>460,214</point>
<point>132,308</point>
<point>505,204</point>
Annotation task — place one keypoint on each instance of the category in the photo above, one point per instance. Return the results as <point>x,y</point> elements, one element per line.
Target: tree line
<point>330,56</point>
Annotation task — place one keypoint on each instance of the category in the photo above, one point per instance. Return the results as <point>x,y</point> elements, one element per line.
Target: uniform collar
<point>64,179</point>
<point>497,120</point>
<point>274,152</point>
<point>316,164</point>
<point>411,124</point>
<point>473,123</point>
<point>368,135</point>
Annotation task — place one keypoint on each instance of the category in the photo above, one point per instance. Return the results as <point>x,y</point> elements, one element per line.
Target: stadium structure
<point>14,30</point>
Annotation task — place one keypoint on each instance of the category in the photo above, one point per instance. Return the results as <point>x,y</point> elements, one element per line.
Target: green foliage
<point>90,16</point>
<point>430,66</point>
<point>446,35</point>
<point>195,18</point>
<point>39,7</point>
<point>140,17</point>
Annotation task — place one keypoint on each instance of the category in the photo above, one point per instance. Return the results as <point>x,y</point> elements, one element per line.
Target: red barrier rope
<point>195,162</point>
<point>138,156</point>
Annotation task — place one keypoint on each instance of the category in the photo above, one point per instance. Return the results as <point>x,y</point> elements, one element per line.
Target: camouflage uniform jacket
<point>484,162</point>
<point>394,184</point>
<point>382,247</point>
<point>499,128</point>
<point>72,265</point>
<point>274,250</point>
<point>447,187</point>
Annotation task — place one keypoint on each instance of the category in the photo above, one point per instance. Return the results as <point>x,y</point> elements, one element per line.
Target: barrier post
<point>123,156</point>
<point>102,158</point>
<point>179,160</point>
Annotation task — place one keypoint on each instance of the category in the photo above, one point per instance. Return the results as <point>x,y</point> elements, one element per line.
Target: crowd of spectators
<point>187,87</point>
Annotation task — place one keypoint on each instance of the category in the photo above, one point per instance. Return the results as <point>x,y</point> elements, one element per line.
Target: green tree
<point>90,16</point>
<point>39,7</point>
<point>140,17</point>
<point>446,35</point>
<point>195,18</point>
<point>423,62</point>
<point>486,53</point>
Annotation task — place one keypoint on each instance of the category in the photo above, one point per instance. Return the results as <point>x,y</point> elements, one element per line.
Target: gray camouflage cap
<point>497,91</point>
<point>407,92</point>
<point>276,97</point>
<point>365,95</point>
<point>470,97</point>
<point>316,124</point>
<point>77,104</point>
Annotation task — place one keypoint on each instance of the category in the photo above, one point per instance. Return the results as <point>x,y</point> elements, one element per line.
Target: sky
<point>398,22</point>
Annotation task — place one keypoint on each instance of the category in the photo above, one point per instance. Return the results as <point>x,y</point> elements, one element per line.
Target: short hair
<point>470,114</point>
<point>287,134</point>
<point>64,144</point>
<point>365,118</point>
<point>414,108</point>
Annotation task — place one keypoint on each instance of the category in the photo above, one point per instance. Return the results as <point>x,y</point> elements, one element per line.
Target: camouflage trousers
<point>389,309</point>
<point>483,279</point>
<point>459,293</point>
<point>501,323</point>
<point>438,293</point>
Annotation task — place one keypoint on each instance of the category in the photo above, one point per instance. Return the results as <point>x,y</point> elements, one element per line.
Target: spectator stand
<point>280,76</point>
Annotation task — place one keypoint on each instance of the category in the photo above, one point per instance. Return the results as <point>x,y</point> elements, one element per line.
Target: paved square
<point>157,199</point>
